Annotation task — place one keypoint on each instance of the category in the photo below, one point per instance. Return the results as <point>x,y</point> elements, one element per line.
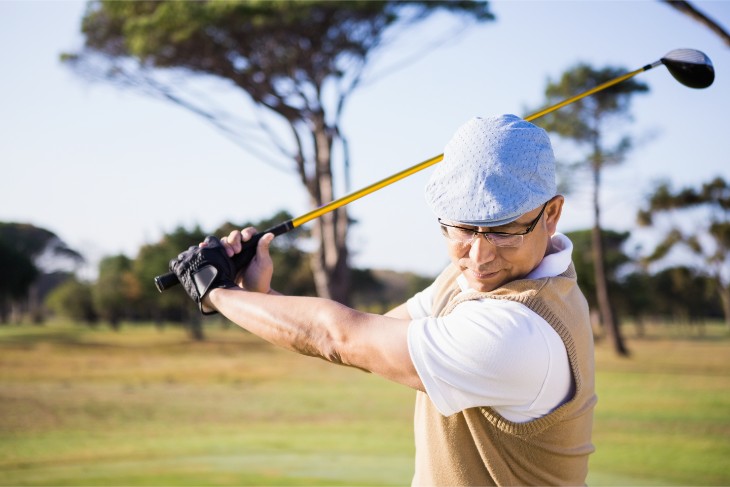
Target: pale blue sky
<point>109,170</point>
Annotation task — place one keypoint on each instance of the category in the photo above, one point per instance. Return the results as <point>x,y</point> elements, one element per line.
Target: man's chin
<point>484,282</point>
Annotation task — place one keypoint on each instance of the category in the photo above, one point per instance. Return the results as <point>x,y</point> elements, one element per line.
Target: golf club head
<point>690,67</point>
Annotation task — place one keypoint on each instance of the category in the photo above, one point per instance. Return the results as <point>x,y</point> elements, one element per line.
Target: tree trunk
<point>608,319</point>
<point>34,304</point>
<point>330,262</point>
<point>4,311</point>
<point>195,327</point>
<point>725,301</point>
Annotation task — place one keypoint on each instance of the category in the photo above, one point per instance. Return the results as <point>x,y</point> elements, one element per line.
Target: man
<point>499,347</point>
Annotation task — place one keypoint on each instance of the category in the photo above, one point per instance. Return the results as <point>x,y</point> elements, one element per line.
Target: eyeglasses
<point>465,236</point>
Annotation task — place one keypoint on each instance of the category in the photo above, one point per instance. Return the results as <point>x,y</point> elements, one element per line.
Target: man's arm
<point>400,312</point>
<point>326,329</point>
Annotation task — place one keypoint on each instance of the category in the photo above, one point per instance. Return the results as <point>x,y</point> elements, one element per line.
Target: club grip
<point>240,260</point>
<point>166,281</point>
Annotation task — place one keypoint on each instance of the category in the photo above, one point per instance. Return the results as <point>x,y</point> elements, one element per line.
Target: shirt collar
<point>556,262</point>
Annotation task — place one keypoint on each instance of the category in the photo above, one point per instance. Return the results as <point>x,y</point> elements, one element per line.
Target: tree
<point>117,290</point>
<point>73,299</point>
<point>628,290</point>
<point>706,236</point>
<point>173,305</point>
<point>298,62</point>
<point>39,244</point>
<point>31,251</point>
<point>19,273</point>
<point>682,294</point>
<point>614,260</point>
<point>586,123</point>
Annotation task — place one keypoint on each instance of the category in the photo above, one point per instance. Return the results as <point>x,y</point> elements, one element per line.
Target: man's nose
<point>482,250</point>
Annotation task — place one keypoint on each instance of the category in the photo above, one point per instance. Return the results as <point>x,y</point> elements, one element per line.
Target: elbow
<point>334,345</point>
<point>339,342</point>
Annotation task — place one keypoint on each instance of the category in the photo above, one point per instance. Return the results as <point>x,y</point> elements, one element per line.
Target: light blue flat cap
<point>494,170</point>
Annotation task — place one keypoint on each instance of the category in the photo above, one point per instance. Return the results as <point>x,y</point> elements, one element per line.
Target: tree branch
<point>134,77</point>
<point>689,10</point>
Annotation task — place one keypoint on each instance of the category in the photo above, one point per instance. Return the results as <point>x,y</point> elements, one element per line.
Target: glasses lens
<point>504,240</point>
<point>459,235</point>
<point>465,236</point>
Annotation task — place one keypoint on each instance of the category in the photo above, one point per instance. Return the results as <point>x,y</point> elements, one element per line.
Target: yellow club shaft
<point>575,98</point>
<point>365,191</point>
<point>168,280</point>
<point>296,222</point>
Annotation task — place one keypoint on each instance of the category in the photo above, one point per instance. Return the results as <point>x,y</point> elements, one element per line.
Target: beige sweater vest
<point>477,446</point>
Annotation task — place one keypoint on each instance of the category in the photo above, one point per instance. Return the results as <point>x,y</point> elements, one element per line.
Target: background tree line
<point>123,290</point>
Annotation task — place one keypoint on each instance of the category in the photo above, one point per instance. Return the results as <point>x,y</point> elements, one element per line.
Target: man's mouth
<point>484,275</point>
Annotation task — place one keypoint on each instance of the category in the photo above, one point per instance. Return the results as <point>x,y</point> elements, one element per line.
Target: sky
<point>109,170</point>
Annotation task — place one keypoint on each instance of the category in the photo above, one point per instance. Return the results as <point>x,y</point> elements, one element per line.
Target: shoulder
<point>493,329</point>
<point>500,317</point>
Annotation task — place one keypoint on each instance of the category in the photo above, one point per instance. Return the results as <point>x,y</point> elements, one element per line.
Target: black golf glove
<point>201,269</point>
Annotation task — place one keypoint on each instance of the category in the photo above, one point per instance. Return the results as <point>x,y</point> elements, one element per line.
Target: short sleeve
<point>419,306</point>
<point>488,352</point>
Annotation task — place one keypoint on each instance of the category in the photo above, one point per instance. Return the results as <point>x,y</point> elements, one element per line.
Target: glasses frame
<point>486,235</point>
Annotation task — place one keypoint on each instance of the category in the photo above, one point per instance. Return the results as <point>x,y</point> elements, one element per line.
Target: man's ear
<point>552,213</point>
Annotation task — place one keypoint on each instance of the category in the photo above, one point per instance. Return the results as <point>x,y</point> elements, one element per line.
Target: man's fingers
<point>263,245</point>
<point>247,233</point>
<point>233,242</point>
<point>229,243</point>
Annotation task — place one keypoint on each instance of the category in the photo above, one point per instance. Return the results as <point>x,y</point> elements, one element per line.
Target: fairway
<point>143,406</point>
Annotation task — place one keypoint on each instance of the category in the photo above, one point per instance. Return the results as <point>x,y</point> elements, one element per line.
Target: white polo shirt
<point>491,352</point>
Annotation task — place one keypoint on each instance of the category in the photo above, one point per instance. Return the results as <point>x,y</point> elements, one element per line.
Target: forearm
<point>309,326</point>
<point>326,329</point>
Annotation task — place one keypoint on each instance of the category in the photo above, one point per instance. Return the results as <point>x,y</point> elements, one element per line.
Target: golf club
<point>690,67</point>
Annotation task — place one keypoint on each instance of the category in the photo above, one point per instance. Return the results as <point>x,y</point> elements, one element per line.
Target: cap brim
<point>483,223</point>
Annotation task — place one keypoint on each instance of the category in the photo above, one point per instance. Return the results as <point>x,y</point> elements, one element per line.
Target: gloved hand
<point>202,268</point>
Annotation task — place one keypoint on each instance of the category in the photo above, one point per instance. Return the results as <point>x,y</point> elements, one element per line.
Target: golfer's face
<point>487,266</point>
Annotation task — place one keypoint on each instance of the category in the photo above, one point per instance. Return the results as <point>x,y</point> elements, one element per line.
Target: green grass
<point>663,416</point>
<point>80,406</point>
